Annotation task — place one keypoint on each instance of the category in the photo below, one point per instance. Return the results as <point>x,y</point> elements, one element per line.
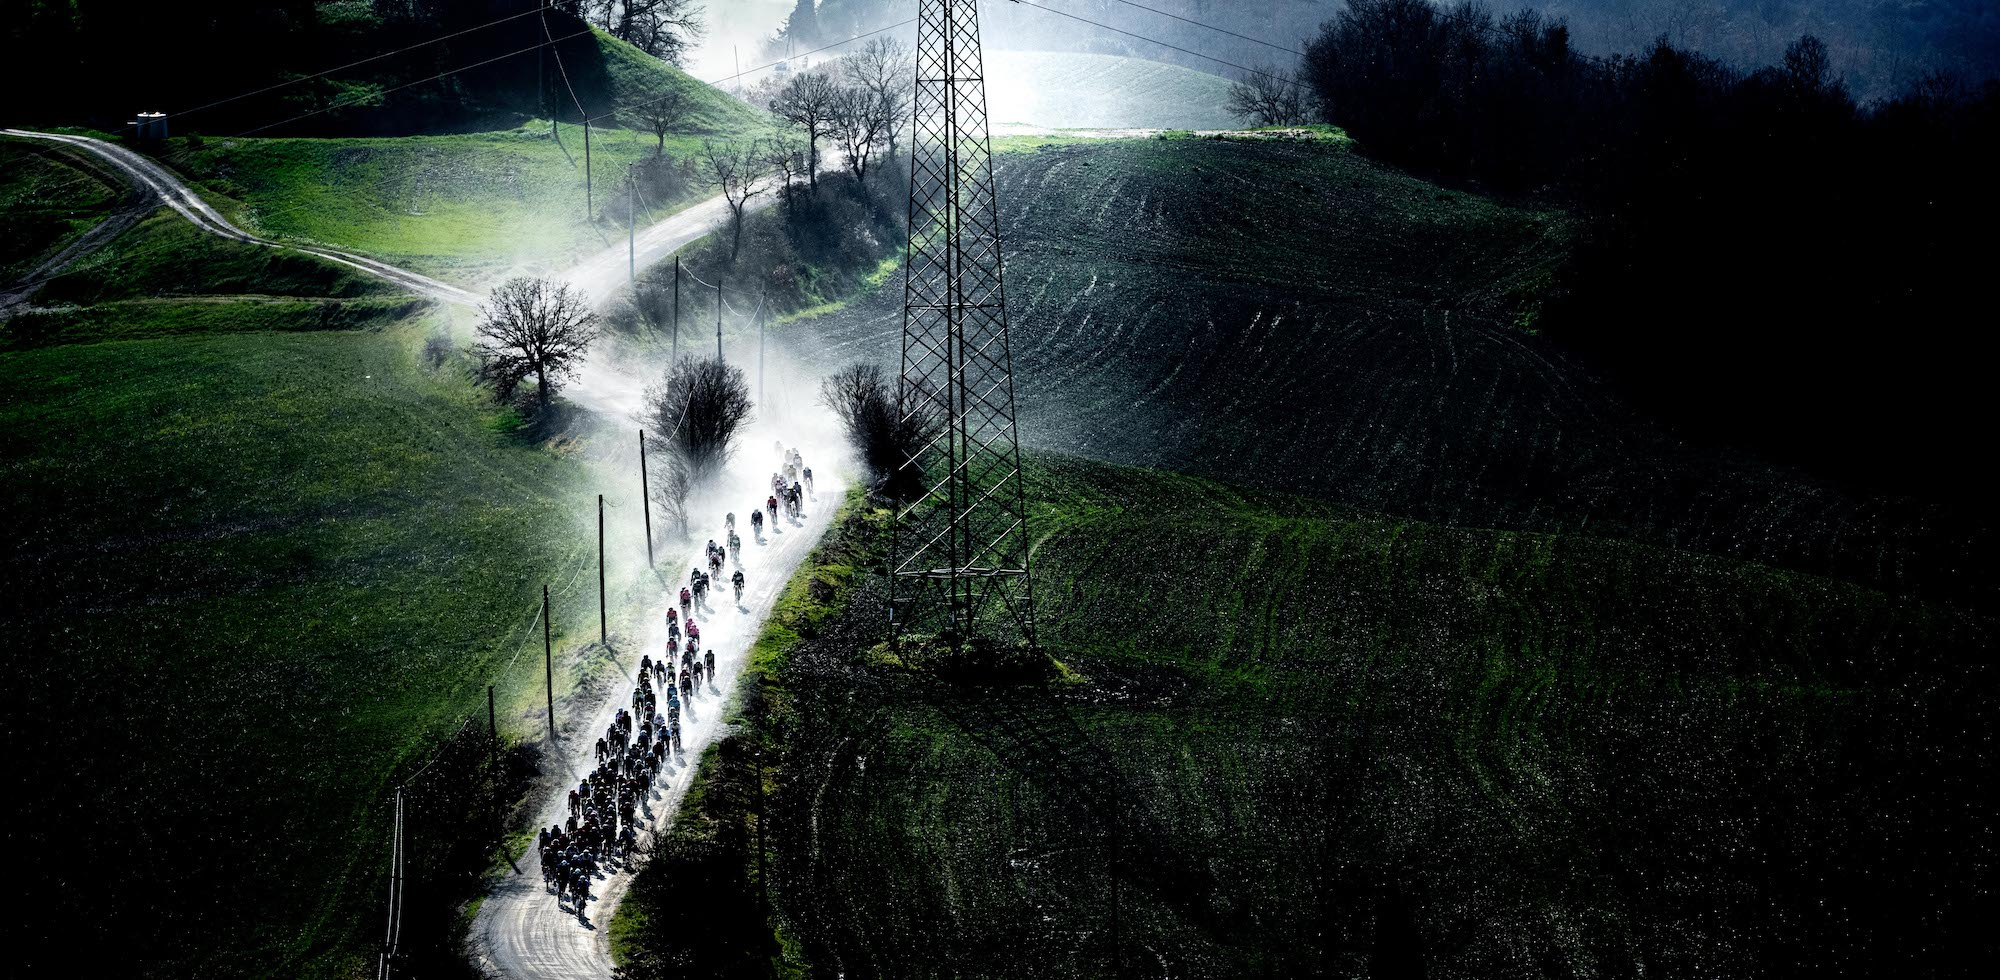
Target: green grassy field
<point>469,209</point>
<point>1067,90</point>
<point>46,201</point>
<point>267,550</point>
<point>1319,741</point>
<point>165,257</point>
<point>472,208</point>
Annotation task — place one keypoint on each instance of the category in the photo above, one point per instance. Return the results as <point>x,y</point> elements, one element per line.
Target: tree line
<point>197,62</point>
<point>1766,257</point>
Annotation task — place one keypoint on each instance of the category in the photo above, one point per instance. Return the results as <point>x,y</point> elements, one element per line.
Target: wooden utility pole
<point>587,205</point>
<point>493,746</point>
<point>631,232</point>
<point>718,319</point>
<point>492,729</point>
<point>646,498</point>
<point>760,349</point>
<point>763,880</point>
<point>677,310</point>
<point>548,663</point>
<point>603,627</point>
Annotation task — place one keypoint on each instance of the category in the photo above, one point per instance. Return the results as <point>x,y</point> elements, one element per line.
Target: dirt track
<point>600,276</point>
<point>161,182</point>
<point>520,931</point>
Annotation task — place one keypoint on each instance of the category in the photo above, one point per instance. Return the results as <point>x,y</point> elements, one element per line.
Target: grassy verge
<point>697,904</point>
<point>804,257</point>
<point>200,315</point>
<point>164,256</point>
<point>1313,740</point>
<point>46,202</point>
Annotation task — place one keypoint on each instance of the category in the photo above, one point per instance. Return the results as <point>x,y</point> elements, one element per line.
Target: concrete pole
<point>603,629</point>
<point>548,663</point>
<point>646,497</point>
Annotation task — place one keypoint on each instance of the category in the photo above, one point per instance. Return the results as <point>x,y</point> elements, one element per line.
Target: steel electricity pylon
<point>961,548</point>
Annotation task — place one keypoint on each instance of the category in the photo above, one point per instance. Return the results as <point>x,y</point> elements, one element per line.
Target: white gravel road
<point>177,195</point>
<point>520,931</point>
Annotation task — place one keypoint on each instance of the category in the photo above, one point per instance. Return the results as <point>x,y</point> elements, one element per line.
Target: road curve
<point>600,276</point>
<point>604,274</point>
<point>177,195</point>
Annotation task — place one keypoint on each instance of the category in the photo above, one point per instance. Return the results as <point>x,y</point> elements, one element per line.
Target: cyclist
<point>809,479</point>
<point>737,580</point>
<point>710,658</point>
<point>729,521</point>
<point>736,546</point>
<point>686,598</point>
<point>757,523</point>
<point>771,504</point>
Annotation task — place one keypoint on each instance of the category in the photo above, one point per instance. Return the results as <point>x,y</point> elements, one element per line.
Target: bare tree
<point>860,125</point>
<point>699,405</point>
<point>1268,97</point>
<point>886,67</point>
<point>1808,67</point>
<point>786,158</point>
<point>653,302</point>
<point>664,29</point>
<point>807,102</point>
<point>533,328</point>
<point>734,169</point>
<point>671,493</point>
<point>863,397</point>
<point>665,113</point>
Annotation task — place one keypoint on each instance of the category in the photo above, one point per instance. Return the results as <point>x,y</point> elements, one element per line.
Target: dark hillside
<point>266,544</point>
<point>1303,741</point>
<point>1295,317</point>
<point>1770,263</point>
<point>241,65</point>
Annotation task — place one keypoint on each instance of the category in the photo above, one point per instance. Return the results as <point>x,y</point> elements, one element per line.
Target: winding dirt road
<point>169,189</point>
<point>520,931</point>
<point>600,277</point>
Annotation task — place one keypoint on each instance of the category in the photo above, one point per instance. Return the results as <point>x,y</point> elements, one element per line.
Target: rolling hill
<point>1292,316</point>
<point>1389,641</point>
<point>268,544</point>
<point>1287,738</point>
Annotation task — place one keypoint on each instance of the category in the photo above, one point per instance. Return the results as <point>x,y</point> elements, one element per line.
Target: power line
<point>357,64</point>
<point>565,72</point>
<point>1212,27</point>
<point>751,71</point>
<point>420,81</point>
<point>1174,47</point>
